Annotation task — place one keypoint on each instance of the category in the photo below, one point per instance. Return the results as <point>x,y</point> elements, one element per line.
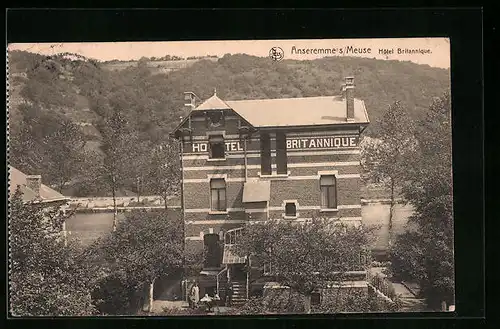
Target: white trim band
<point>278,208</point>
<point>208,210</point>
<point>354,206</point>
<point>216,221</point>
<point>256,154</point>
<point>242,179</point>
<point>202,119</point>
<point>258,210</point>
<point>274,166</point>
<point>193,238</point>
<point>308,219</point>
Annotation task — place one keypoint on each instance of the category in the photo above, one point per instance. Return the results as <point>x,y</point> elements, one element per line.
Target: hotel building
<point>252,160</point>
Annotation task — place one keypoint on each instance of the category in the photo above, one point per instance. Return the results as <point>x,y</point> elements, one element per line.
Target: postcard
<point>307,176</point>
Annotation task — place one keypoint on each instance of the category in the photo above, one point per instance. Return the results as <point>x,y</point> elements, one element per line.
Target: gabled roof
<point>213,103</point>
<point>18,178</point>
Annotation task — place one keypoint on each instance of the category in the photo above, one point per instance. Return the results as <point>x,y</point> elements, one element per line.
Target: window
<point>267,265</point>
<point>265,154</point>
<point>281,159</point>
<point>218,194</point>
<point>315,298</point>
<point>216,145</point>
<point>290,209</point>
<point>267,268</point>
<point>328,192</point>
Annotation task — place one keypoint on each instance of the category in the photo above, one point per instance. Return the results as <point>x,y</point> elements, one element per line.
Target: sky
<point>436,51</point>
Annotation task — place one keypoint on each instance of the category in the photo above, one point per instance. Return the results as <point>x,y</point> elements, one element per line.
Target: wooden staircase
<point>239,293</point>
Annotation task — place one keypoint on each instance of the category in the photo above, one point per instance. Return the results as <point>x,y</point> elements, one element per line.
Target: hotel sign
<point>230,146</point>
<point>322,142</point>
<point>294,143</point>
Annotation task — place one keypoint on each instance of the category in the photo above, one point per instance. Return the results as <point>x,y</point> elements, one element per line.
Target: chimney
<point>191,97</point>
<point>349,97</point>
<point>33,182</point>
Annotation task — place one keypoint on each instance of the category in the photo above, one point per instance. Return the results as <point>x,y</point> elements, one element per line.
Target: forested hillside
<point>80,125</point>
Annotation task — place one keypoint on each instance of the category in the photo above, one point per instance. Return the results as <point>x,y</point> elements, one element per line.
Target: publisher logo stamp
<point>276,53</point>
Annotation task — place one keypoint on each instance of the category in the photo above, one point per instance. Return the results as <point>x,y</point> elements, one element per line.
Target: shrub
<point>182,311</point>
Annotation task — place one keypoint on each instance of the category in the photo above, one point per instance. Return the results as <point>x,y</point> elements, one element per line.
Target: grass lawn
<point>89,227</point>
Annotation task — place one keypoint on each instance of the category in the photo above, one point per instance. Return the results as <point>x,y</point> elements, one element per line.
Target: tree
<point>90,180</point>
<point>384,158</point>
<point>163,177</point>
<point>27,149</point>
<point>24,151</point>
<point>115,147</point>
<point>48,143</point>
<point>145,246</point>
<point>305,256</point>
<point>46,278</point>
<point>426,254</point>
<point>64,154</point>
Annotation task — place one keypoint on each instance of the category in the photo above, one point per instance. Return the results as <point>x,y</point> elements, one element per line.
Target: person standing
<point>190,296</point>
<point>195,294</point>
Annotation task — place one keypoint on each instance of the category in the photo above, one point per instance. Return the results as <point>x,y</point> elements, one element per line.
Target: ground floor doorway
<point>212,251</point>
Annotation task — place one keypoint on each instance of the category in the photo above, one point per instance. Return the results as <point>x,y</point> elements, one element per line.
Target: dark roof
<point>18,178</point>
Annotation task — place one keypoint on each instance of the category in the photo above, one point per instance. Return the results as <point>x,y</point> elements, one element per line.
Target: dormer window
<point>216,147</point>
<point>215,118</point>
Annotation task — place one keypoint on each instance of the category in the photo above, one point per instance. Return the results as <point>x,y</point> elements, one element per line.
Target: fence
<point>383,285</point>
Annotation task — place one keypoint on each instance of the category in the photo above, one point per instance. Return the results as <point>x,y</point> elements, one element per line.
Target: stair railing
<point>248,274</point>
<point>217,277</point>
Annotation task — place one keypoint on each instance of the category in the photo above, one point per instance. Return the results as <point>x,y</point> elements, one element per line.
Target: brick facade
<point>311,151</point>
<point>302,184</point>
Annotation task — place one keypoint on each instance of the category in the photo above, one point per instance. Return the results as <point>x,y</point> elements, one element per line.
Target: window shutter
<point>281,157</point>
<point>265,154</point>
